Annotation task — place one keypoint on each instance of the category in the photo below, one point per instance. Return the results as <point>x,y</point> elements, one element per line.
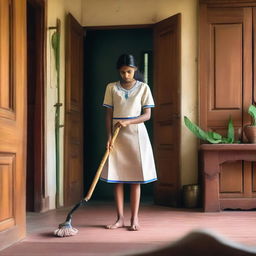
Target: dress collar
<point>136,84</point>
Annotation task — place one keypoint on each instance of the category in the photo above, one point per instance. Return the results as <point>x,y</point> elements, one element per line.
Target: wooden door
<point>226,89</point>
<point>12,120</point>
<point>73,156</point>
<point>167,80</point>
<point>35,189</point>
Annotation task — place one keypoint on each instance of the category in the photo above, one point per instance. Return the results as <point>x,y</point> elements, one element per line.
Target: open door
<point>167,79</point>
<point>73,155</point>
<point>12,120</point>
<point>35,195</point>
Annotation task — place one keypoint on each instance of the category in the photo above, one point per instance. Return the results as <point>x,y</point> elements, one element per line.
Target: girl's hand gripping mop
<point>66,229</point>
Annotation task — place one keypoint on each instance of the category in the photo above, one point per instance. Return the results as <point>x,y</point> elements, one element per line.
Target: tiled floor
<point>159,226</point>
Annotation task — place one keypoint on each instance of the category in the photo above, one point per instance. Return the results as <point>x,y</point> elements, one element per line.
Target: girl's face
<point>127,73</point>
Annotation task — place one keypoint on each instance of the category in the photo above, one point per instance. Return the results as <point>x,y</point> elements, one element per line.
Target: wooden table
<point>212,156</point>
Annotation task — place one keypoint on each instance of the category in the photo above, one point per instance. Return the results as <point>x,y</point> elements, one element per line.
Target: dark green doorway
<point>101,50</point>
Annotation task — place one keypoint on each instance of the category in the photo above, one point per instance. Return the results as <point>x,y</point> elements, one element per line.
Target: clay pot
<point>250,133</point>
<point>191,196</point>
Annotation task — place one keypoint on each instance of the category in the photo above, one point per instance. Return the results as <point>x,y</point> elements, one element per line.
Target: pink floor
<point>159,226</point>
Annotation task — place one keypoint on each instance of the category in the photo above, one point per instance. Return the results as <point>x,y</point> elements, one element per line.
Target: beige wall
<point>123,12</point>
<point>56,9</point>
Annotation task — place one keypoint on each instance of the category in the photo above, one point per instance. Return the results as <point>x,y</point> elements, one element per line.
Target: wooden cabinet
<point>227,86</point>
<point>212,157</point>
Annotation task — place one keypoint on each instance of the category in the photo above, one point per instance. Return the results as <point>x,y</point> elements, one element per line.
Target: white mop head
<point>63,232</point>
<point>65,229</point>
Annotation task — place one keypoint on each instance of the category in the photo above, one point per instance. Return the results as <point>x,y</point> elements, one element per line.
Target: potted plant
<point>250,130</point>
<point>210,136</point>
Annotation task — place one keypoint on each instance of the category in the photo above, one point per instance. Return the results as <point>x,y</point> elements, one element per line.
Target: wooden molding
<point>119,27</point>
<point>228,3</point>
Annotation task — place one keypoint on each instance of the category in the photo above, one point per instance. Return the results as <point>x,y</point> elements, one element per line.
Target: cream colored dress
<point>131,160</point>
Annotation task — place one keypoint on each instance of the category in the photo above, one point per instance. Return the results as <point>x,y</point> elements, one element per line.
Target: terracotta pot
<point>250,133</point>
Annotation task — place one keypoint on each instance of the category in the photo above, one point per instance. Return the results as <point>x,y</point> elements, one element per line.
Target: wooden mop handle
<point>100,168</point>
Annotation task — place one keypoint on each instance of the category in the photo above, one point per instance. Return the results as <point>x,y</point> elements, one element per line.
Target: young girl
<point>128,105</point>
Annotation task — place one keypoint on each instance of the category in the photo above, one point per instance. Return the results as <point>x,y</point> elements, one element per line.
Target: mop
<point>66,229</point>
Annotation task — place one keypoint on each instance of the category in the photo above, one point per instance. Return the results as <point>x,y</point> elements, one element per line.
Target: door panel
<point>12,120</point>
<point>7,196</point>
<point>234,185</point>
<point>227,78</point>
<point>226,55</point>
<point>254,177</point>
<point>167,111</point>
<point>73,176</point>
<point>225,84</point>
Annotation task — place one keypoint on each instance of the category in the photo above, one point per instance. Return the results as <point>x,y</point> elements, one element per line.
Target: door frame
<point>40,201</point>
<point>92,28</point>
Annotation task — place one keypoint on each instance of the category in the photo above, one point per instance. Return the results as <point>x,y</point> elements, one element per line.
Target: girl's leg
<point>119,198</point>
<point>135,203</point>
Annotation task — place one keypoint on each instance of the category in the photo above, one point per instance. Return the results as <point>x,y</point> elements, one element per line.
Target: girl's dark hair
<point>126,60</point>
<point>129,60</point>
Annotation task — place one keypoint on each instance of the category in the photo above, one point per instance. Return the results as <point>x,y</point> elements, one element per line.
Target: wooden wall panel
<point>228,67</point>
<point>226,85</point>
<point>254,49</point>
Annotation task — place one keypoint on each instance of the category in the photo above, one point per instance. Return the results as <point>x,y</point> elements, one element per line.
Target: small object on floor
<point>65,229</point>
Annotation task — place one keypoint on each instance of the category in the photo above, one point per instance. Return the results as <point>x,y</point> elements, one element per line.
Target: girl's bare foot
<point>119,224</point>
<point>134,225</point>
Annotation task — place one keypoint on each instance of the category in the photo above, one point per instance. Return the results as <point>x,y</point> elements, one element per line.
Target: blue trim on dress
<point>125,117</point>
<point>128,182</point>
<point>148,106</point>
<point>107,106</point>
<point>127,92</point>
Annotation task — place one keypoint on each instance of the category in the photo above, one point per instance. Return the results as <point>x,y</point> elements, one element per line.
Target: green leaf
<point>252,112</point>
<point>231,131</point>
<point>214,135</point>
<point>201,134</point>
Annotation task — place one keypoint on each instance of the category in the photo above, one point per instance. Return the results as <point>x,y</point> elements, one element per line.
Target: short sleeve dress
<point>131,160</point>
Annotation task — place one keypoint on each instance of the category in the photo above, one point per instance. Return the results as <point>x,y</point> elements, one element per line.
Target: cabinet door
<point>226,86</point>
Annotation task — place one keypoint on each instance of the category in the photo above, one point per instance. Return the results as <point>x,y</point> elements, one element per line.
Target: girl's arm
<point>109,116</point>
<point>142,118</point>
